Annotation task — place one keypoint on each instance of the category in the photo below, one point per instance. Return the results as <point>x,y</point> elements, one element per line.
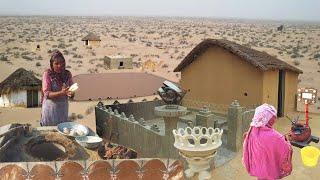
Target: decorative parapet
<point>142,121</point>
<point>123,115</point>
<point>155,128</point>
<point>116,113</point>
<point>131,118</point>
<point>133,133</point>
<point>94,170</point>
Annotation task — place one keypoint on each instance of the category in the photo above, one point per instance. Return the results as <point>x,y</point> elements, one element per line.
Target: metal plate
<point>89,141</point>
<point>72,125</point>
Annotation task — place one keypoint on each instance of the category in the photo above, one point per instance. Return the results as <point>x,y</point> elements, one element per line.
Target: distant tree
<point>280,28</point>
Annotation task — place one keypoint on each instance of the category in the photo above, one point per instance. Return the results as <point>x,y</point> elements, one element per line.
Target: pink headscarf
<point>263,114</point>
<point>266,153</point>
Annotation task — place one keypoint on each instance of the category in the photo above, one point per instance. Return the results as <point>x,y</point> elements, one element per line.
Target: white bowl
<point>73,126</point>
<point>90,142</point>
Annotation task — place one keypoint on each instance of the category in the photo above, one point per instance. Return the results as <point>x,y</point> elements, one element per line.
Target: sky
<point>307,10</point>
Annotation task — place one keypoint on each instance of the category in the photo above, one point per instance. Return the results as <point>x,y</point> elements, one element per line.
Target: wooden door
<point>35,99</point>
<point>29,98</point>
<point>32,98</point>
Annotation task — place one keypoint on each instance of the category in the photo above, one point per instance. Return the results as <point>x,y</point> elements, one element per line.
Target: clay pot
<point>303,136</point>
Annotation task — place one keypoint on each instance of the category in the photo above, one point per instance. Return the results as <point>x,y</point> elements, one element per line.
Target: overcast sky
<point>253,9</point>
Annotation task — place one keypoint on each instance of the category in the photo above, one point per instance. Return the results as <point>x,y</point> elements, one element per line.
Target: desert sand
<point>157,45</point>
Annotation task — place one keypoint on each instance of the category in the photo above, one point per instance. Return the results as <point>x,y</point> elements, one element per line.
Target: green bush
<point>296,62</point>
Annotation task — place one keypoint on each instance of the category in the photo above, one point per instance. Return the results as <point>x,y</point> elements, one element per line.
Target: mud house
<point>91,40</point>
<point>21,88</point>
<point>219,71</point>
<point>118,62</point>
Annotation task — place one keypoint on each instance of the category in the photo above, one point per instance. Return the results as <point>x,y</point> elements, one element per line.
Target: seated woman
<point>266,153</point>
<point>55,85</point>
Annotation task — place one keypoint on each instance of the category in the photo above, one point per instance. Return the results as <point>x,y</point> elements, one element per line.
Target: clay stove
<point>42,144</point>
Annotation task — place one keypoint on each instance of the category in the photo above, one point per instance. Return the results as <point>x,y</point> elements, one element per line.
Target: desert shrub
<point>16,55</point>
<point>73,117</point>
<point>28,58</point>
<point>25,53</point>
<point>114,36</point>
<point>38,64</point>
<point>65,52</point>
<point>296,62</point>
<point>80,116</point>
<point>3,57</point>
<point>133,55</point>
<point>39,57</point>
<point>89,110</point>
<point>61,46</point>
<point>77,56</point>
<point>317,56</point>
<point>294,56</point>
<point>165,66</point>
<point>93,70</point>
<point>99,65</point>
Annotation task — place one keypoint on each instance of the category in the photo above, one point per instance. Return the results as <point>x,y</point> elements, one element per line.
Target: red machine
<point>300,133</point>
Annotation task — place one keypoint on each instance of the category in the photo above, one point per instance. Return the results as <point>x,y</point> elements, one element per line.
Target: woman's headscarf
<point>56,56</point>
<point>263,114</point>
<point>65,74</point>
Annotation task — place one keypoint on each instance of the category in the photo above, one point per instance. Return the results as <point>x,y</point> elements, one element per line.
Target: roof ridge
<point>254,57</point>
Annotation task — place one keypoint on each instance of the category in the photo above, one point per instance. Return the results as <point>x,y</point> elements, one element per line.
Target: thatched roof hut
<point>218,71</point>
<point>21,79</point>
<point>259,59</point>
<point>91,37</point>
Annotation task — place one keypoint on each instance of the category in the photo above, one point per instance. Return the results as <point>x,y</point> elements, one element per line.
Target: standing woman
<point>55,91</point>
<point>266,153</point>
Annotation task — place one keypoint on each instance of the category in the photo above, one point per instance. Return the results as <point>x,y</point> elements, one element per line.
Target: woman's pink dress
<point>266,153</point>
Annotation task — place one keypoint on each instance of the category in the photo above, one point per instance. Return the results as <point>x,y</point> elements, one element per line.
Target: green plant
<point>296,62</point>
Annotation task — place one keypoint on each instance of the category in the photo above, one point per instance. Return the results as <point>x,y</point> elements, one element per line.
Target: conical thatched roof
<point>91,37</point>
<point>21,79</point>
<point>258,59</point>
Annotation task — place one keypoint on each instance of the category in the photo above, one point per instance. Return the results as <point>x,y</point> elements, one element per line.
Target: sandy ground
<point>157,45</point>
<point>231,170</point>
